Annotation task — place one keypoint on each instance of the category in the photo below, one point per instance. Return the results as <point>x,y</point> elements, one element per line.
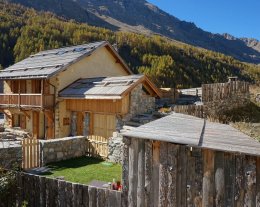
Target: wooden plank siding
<point>166,174</point>
<point>99,106</point>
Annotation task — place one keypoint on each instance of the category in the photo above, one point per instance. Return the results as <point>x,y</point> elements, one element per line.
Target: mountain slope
<point>143,17</point>
<point>168,63</point>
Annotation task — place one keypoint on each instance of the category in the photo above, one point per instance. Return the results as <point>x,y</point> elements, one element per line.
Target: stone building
<point>81,90</point>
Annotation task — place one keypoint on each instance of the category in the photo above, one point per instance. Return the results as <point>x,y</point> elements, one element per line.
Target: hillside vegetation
<point>24,31</point>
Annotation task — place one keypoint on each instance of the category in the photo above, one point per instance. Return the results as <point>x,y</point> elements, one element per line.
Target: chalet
<point>80,90</point>
<point>181,160</point>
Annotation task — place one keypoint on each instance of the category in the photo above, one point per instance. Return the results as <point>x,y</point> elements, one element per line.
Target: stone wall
<point>10,156</point>
<point>115,148</point>
<point>62,149</point>
<point>139,103</point>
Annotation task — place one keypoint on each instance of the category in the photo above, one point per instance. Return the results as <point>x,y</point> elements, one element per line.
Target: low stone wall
<point>62,149</point>
<point>10,156</point>
<point>115,148</point>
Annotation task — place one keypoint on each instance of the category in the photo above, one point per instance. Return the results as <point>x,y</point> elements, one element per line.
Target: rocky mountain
<point>141,16</point>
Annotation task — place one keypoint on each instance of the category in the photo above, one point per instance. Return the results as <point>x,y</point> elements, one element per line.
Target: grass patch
<point>84,170</point>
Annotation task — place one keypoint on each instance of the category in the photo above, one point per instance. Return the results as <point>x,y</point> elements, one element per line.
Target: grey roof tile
<point>47,63</point>
<point>100,87</point>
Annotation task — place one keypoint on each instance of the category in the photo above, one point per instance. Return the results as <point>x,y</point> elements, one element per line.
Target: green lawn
<point>84,170</point>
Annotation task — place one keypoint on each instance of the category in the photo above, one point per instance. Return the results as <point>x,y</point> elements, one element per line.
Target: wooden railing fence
<point>193,110</point>
<point>97,146</point>
<point>220,91</point>
<point>33,100</point>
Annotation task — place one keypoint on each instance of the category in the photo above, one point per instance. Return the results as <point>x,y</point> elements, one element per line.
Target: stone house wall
<point>139,103</point>
<point>62,149</point>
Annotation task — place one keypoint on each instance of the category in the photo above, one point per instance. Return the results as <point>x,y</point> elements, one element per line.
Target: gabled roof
<point>106,88</point>
<point>196,132</point>
<point>45,64</point>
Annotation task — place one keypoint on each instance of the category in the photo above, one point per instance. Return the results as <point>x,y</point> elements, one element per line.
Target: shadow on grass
<point>72,163</point>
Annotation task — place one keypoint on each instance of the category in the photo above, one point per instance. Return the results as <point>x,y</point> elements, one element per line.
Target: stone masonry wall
<point>115,148</point>
<point>139,103</point>
<point>62,149</point>
<point>11,157</point>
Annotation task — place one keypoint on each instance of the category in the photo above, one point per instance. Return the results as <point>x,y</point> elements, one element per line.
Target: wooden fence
<point>220,91</point>
<point>31,153</point>
<point>165,174</point>
<point>193,110</point>
<point>48,192</point>
<point>97,146</point>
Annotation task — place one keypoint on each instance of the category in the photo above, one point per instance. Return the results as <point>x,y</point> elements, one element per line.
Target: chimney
<point>232,79</point>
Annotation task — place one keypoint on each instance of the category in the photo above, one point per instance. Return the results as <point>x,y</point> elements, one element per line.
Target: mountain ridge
<point>143,17</point>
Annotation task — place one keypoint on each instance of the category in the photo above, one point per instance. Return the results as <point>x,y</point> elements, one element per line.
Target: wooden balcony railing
<point>27,100</point>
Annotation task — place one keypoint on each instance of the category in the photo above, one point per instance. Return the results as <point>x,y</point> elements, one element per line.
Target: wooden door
<point>104,125</point>
<point>15,86</point>
<point>49,121</point>
<point>22,86</point>
<point>80,123</point>
<point>36,86</point>
<point>23,121</point>
<point>35,125</point>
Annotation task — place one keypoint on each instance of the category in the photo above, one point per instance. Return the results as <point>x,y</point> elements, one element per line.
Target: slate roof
<point>48,63</point>
<point>196,132</point>
<point>102,87</point>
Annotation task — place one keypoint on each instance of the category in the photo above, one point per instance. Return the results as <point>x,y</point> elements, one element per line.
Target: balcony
<point>26,101</point>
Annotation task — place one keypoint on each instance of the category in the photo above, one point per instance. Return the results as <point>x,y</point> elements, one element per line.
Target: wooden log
<point>92,195</point>
<point>229,169</point>
<point>141,176</point>
<point>85,199</point>
<point>182,177</point>
<point>61,193</point>
<point>155,175</point>
<point>37,190</point>
<point>133,173</point>
<point>190,178</point>
<point>68,194</point>
<point>208,178</point>
<point>101,196</point>
<point>114,198</point>
<point>42,188</point>
<point>258,182</point>
<point>80,195</point>
<point>219,179</point>
<point>125,171</point>
<point>172,173</point>
<point>240,181</point>
<point>197,154</point>
<point>163,175</point>
<point>250,181</point>
<point>148,173</point>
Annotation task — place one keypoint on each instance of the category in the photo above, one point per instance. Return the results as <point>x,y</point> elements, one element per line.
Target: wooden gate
<point>97,146</point>
<point>31,153</point>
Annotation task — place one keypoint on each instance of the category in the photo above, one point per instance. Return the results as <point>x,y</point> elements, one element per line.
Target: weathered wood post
<point>125,171</point>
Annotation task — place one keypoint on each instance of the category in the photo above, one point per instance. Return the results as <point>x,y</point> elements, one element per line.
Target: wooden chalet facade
<point>35,98</point>
<point>181,160</point>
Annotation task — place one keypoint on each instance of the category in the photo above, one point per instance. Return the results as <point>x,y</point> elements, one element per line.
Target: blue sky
<point>240,18</point>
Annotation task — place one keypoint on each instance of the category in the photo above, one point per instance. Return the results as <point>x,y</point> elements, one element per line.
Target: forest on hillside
<point>168,63</point>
